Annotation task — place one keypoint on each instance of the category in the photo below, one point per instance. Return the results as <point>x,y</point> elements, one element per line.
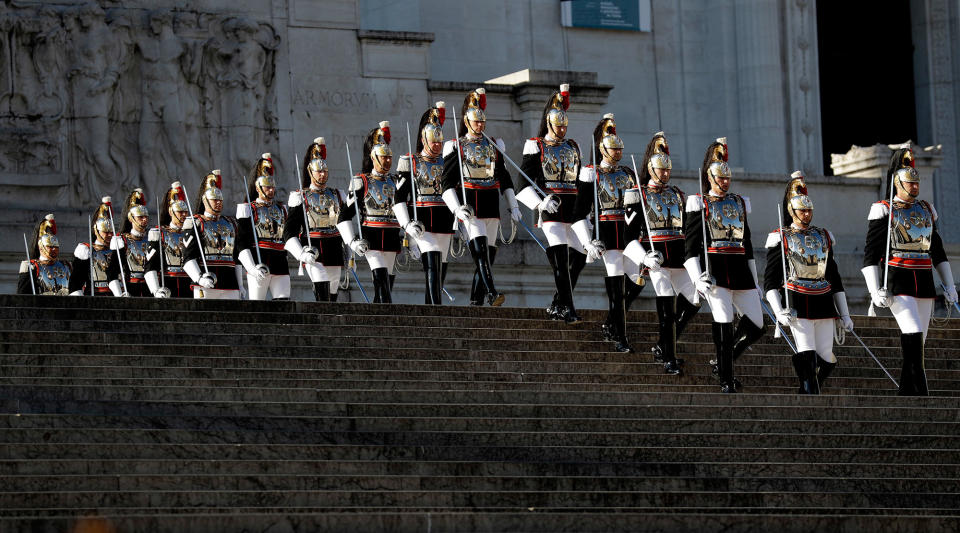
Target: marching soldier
<point>374,192</point>
<point>473,168</point>
<point>214,275</point>
<point>915,249</point>
<point>261,249</point>
<point>421,177</point>
<point>172,241</point>
<point>96,263</point>
<point>723,267</point>
<point>553,162</point>
<point>608,186</point>
<point>316,242</point>
<point>661,223</point>
<point>51,276</point>
<point>137,248</point>
<point>813,284</point>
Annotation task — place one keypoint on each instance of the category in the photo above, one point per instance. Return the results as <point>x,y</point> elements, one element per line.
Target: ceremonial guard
<point>137,249</point>
<point>719,258</point>
<point>474,173</point>
<point>97,264</point>
<point>605,190</point>
<point>374,192</point>
<point>553,162</point>
<point>173,241</point>
<point>421,184</point>
<point>214,274</point>
<point>260,236</point>
<point>314,241</point>
<point>906,239</point>
<point>43,272</point>
<point>812,296</point>
<point>657,243</point>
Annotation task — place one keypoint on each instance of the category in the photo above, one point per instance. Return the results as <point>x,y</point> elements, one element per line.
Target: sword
<point>413,175</point>
<point>90,235</point>
<point>532,236</point>
<point>886,262</point>
<point>775,323</point>
<point>26,247</point>
<point>196,233</point>
<point>516,166</point>
<point>456,132</point>
<point>703,219</point>
<point>163,288</point>
<point>253,225</point>
<point>352,267</point>
<point>306,219</point>
<point>596,192</point>
<point>123,277</point>
<point>874,357</point>
<point>643,203</point>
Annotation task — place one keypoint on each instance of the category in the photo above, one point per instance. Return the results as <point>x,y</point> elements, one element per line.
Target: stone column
<point>804,140</point>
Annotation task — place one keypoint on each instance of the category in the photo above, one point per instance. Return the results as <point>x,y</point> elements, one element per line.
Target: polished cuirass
<point>323,209</point>
<point>219,239</point>
<point>611,186</point>
<point>379,199</point>
<point>173,245</point>
<point>912,229</point>
<point>807,251</point>
<point>726,221</point>
<point>137,254</point>
<point>664,210</point>
<point>429,177</point>
<point>53,278</point>
<point>269,220</point>
<point>479,161</point>
<point>560,163</point>
<point>101,260</point>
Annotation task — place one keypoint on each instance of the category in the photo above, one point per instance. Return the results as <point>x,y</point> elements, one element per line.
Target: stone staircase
<point>178,416</point>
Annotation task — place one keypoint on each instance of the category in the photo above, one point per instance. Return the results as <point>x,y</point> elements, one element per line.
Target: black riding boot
<point>476,288</point>
<point>334,295</point>
<point>666,348</point>
<point>724,333</point>
<point>577,261</point>
<point>561,276</point>
<point>381,286</point>
<point>824,369</point>
<point>805,363</point>
<point>685,312</point>
<point>747,334</point>
<point>616,315</point>
<point>431,270</point>
<point>631,291</point>
<point>480,252</point>
<point>321,291</point>
<point>913,378</point>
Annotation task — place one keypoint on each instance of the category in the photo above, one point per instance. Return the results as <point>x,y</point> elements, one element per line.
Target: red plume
<point>913,160</point>
<point>180,196</point>
<point>323,151</point>
<point>726,153</point>
<point>666,148</point>
<point>483,101</point>
<point>565,99</point>
<point>386,134</point>
<point>53,226</point>
<point>441,115</point>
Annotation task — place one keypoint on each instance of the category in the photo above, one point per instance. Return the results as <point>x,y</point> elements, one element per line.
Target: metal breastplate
<point>479,158</point>
<point>173,248</point>
<point>53,278</point>
<point>560,164</point>
<point>378,202</point>
<point>219,238</point>
<point>611,189</point>
<point>101,259</point>
<point>428,180</point>
<point>137,249</point>
<point>269,221</point>
<point>323,209</point>
<point>664,212</point>
<point>726,221</point>
<point>806,253</point>
<point>912,229</point>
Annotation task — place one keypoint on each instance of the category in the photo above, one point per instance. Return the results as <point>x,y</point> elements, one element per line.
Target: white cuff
<point>347,231</point>
<point>294,246</point>
<point>451,199</point>
<point>840,300</point>
<point>403,216</point>
<point>246,259</point>
<point>529,197</point>
<point>193,269</point>
<point>871,276</point>
<point>773,298</point>
<point>693,268</point>
<point>153,282</point>
<point>511,199</point>
<point>116,287</point>
<point>581,230</point>
<point>946,274</point>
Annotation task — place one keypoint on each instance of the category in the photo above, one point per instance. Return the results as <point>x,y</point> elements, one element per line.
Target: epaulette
<point>532,146</point>
<point>82,251</point>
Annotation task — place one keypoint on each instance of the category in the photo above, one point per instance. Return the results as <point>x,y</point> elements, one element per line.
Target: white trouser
<point>380,259</point>
<point>912,314</point>
<point>327,273</point>
<point>483,227</point>
<point>722,302</point>
<point>671,281</point>
<point>215,294</point>
<point>561,233</point>
<point>279,287</point>
<point>435,242</point>
<point>613,261</point>
<point>815,335</point>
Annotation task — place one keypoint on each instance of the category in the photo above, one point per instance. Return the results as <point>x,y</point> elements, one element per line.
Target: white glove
<point>308,256</point>
<point>786,317</point>
<point>951,294</point>
<point>238,272</point>
<point>594,250</point>
<point>704,284</point>
<point>550,204</point>
<point>116,288</point>
<point>652,260</point>
<point>847,322</point>
<point>359,246</point>
<point>464,213</point>
<point>946,277</point>
<point>207,281</point>
<point>246,259</point>
<point>76,293</point>
<point>840,300</point>
<point>414,229</point>
<point>879,297</point>
<point>515,214</point>
<point>512,205</point>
